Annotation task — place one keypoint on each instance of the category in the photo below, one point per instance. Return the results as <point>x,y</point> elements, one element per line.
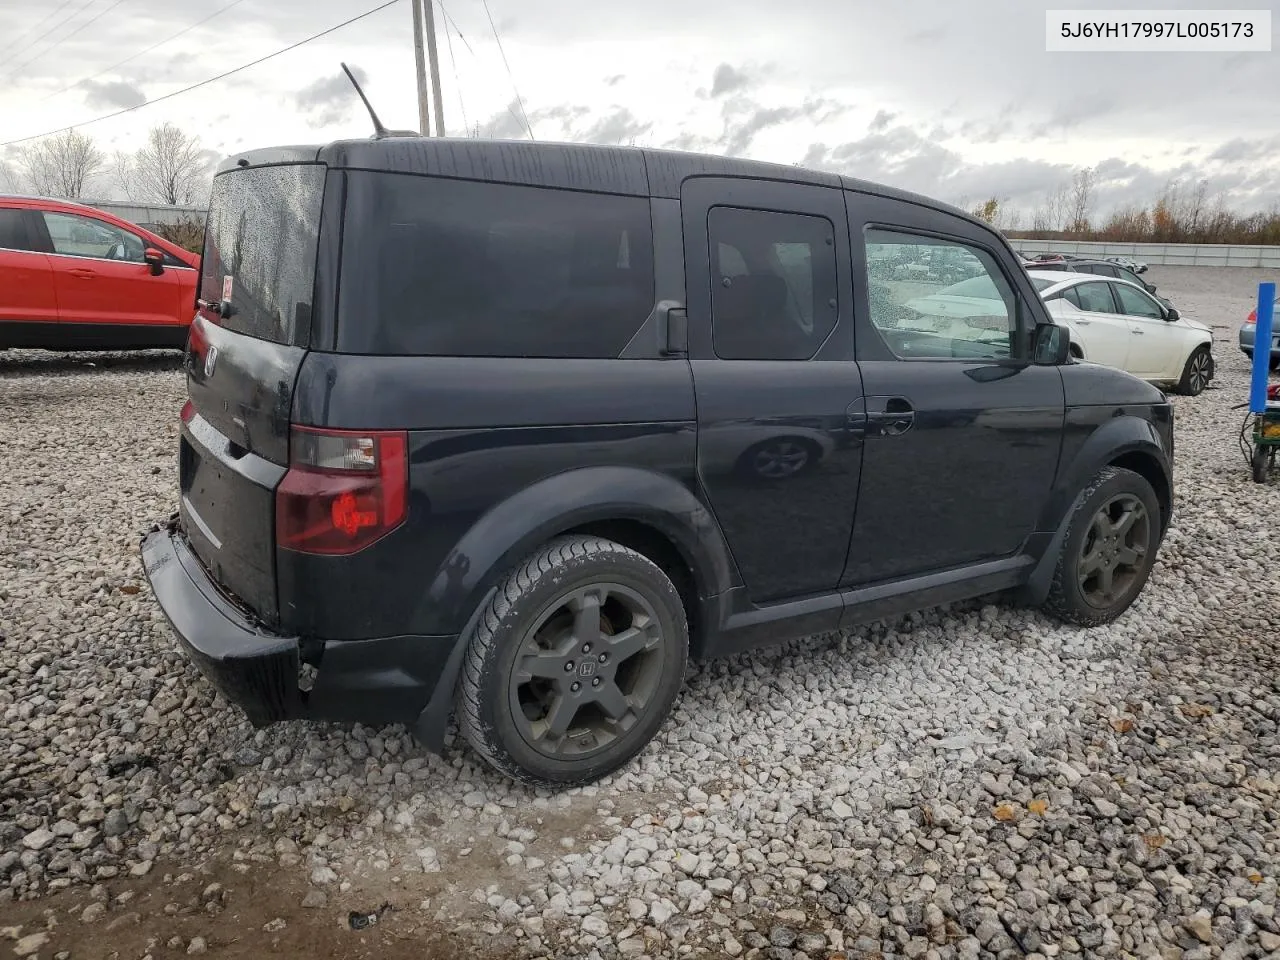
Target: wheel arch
<point>1128,442</point>
<point>651,513</point>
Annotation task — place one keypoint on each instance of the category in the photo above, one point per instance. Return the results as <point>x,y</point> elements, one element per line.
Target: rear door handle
<point>890,416</point>
<point>82,273</point>
<point>1140,333</point>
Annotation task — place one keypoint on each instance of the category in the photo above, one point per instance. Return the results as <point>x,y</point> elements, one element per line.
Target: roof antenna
<point>379,131</point>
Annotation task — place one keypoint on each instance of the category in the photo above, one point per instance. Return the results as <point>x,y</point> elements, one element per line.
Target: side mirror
<point>1171,314</point>
<point>1142,268</point>
<point>1050,344</point>
<point>155,260</point>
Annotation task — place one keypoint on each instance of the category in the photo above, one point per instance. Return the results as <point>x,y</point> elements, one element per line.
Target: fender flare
<point>1121,436</point>
<point>518,525</point>
<point>524,521</point>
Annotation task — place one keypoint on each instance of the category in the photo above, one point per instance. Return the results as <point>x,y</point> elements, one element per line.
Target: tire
<point>1070,598</point>
<point>1075,352</point>
<point>528,723</point>
<point>1260,464</point>
<point>1196,373</point>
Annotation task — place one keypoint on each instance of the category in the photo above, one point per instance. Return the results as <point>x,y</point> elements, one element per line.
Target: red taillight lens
<point>188,411</point>
<point>344,489</point>
<point>1252,317</point>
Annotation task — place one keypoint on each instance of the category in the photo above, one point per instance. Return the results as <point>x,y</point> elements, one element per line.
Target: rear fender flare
<point>514,528</point>
<point>518,525</point>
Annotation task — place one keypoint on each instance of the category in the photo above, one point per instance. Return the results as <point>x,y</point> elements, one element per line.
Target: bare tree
<point>169,169</point>
<point>1079,201</point>
<point>61,165</point>
<point>1052,215</point>
<point>125,175</point>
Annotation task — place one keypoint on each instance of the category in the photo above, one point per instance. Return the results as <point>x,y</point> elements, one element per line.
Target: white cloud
<point>948,100</point>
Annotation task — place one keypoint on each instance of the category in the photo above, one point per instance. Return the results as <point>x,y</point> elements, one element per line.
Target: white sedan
<point>1118,324</point>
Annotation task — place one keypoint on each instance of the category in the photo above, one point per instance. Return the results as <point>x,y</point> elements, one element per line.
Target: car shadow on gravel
<point>43,363</point>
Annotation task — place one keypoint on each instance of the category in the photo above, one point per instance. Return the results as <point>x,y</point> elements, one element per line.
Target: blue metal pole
<point>1262,347</point>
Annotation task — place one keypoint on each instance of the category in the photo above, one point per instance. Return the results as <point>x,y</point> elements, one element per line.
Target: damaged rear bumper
<point>273,677</point>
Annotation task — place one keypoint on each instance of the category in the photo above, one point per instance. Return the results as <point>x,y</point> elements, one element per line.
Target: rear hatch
<point>246,345</point>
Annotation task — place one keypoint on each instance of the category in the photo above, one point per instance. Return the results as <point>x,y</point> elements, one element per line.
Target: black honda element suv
<point>508,431</point>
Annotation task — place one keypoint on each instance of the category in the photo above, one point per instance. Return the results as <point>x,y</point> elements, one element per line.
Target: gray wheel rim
<point>1199,377</point>
<point>781,459</point>
<point>587,671</point>
<point>1114,551</point>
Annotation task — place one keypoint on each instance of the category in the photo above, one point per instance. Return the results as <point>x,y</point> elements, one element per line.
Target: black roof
<point>638,171</point>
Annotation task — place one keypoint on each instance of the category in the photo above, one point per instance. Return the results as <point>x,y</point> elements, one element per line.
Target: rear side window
<point>1071,297</point>
<point>1095,297</point>
<point>773,293</point>
<point>435,267</point>
<point>260,245</point>
<point>13,230</point>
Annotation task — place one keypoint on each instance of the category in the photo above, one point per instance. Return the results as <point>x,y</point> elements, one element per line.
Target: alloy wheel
<point>587,670</point>
<point>1198,376</point>
<point>1114,550</point>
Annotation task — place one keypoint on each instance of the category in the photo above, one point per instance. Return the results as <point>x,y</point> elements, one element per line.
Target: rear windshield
<point>260,243</point>
<point>473,269</point>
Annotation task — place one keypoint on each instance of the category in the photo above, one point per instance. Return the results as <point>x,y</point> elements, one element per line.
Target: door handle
<point>1139,333</point>
<point>890,416</point>
<point>1083,323</point>
<point>82,273</point>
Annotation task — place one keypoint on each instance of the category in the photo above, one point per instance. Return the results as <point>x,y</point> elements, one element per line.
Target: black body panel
<point>788,531</point>
<point>500,460</point>
<point>233,455</point>
<point>433,393</point>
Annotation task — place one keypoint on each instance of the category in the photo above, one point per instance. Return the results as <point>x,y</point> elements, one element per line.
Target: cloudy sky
<point>954,98</point>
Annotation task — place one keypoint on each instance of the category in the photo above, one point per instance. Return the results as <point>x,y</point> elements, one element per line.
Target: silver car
<point>1250,327</point>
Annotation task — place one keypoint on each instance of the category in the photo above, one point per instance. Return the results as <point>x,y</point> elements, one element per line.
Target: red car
<point>76,278</point>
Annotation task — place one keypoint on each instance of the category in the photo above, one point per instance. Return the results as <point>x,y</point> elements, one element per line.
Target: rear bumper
<point>1246,335</point>
<point>382,680</point>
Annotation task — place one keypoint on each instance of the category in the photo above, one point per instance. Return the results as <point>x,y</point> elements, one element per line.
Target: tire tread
<point>1058,603</point>
<point>488,635</point>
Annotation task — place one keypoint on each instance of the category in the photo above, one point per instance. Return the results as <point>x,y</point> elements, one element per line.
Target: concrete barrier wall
<point>1165,254</point>
<point>149,212</point>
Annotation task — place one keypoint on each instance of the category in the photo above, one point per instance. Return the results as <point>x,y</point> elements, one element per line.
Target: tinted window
<point>773,284</point>
<point>1040,283</point>
<point>460,268</point>
<point>920,316</point>
<point>1085,268</point>
<point>261,241</point>
<point>13,230</point>
<point>1135,303</point>
<point>76,236</point>
<point>1072,297</point>
<point>1095,297</point>
<point>1106,270</point>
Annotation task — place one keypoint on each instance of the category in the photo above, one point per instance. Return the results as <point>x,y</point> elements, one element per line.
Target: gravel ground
<point>971,782</point>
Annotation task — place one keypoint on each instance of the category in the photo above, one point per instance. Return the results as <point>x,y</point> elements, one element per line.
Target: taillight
<point>188,411</point>
<point>344,489</point>
<point>1252,317</point>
